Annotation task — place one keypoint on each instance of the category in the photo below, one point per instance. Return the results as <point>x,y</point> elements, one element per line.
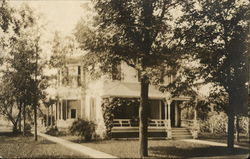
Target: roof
<point>130,90</point>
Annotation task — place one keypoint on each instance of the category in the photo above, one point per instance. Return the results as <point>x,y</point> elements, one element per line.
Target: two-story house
<point>80,97</point>
<point>69,94</point>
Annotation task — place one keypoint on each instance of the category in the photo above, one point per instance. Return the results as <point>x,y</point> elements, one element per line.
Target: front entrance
<point>175,112</point>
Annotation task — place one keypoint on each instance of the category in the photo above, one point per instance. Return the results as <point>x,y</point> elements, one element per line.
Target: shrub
<point>53,131</point>
<point>215,121</point>
<point>27,127</point>
<point>243,124</point>
<point>83,128</point>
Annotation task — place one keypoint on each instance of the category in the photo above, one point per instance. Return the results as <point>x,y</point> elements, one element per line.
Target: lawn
<point>244,141</point>
<point>12,146</point>
<point>157,148</point>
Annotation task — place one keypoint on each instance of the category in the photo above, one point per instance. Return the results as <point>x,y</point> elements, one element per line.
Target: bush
<point>53,131</point>
<point>83,128</point>
<point>215,121</point>
<point>27,127</point>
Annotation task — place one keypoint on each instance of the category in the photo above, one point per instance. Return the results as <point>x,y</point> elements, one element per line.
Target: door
<point>172,113</point>
<point>175,114</point>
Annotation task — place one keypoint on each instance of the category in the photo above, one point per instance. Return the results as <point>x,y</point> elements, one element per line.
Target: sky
<point>60,15</point>
<point>57,15</point>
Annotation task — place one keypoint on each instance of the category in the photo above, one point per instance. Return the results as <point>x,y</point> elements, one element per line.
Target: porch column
<point>195,114</point>
<point>169,113</point>
<point>47,117</point>
<point>81,108</point>
<point>168,118</point>
<point>56,115</point>
<point>61,111</point>
<point>195,133</point>
<point>66,113</point>
<point>52,115</point>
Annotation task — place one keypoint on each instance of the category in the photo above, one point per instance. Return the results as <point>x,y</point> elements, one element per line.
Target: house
<point>77,96</point>
<point>67,93</point>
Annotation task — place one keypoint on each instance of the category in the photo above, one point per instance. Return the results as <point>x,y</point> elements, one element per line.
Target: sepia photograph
<point>125,79</point>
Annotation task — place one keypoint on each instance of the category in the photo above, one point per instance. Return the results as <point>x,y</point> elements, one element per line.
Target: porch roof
<point>130,90</point>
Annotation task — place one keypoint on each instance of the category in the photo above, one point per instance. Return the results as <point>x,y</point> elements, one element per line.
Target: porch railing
<point>131,123</point>
<point>187,123</point>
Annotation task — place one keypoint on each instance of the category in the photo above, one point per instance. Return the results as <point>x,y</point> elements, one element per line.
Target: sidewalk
<point>92,153</point>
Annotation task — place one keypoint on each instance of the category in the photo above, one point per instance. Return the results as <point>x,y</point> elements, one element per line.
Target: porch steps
<point>181,133</point>
<point>133,132</point>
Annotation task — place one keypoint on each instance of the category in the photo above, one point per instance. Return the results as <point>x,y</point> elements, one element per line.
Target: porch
<point>127,128</point>
<point>163,120</point>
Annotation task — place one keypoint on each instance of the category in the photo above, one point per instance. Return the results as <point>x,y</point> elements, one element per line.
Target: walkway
<point>92,153</point>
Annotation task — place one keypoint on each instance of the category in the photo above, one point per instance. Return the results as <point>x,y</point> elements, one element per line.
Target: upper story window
<point>70,76</point>
<point>116,72</point>
<point>139,76</point>
<point>79,76</point>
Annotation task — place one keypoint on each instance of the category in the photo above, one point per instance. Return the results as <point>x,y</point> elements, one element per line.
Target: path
<point>92,153</point>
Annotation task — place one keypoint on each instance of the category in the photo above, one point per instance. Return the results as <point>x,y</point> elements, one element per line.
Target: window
<point>73,113</point>
<point>92,109</point>
<point>79,76</point>
<point>139,76</point>
<point>60,115</point>
<point>116,72</point>
<point>79,70</point>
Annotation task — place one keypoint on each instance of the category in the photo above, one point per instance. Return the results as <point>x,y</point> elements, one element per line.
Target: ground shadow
<point>8,134</point>
<point>59,156</point>
<point>210,151</point>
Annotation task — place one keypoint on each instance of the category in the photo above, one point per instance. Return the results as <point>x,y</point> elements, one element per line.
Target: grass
<point>157,148</point>
<point>16,146</point>
<point>244,141</point>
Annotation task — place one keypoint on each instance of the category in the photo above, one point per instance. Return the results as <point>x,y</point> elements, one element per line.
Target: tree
<point>22,70</point>
<point>8,107</point>
<point>216,33</point>
<point>137,32</point>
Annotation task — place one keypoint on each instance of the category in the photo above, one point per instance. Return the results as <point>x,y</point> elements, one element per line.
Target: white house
<point>78,96</point>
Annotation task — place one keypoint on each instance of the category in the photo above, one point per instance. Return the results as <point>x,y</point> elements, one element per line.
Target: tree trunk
<point>20,119</point>
<point>47,118</point>
<point>14,128</point>
<point>143,114</point>
<point>35,120</point>
<point>51,116</point>
<point>237,129</point>
<point>230,132</point>
<point>24,120</point>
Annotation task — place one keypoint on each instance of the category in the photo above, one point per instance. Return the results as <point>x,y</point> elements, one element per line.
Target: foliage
<point>83,128</point>
<point>20,52</point>
<point>141,34</point>
<point>243,125</point>
<point>216,34</point>
<point>8,107</point>
<point>109,106</point>
<point>27,127</point>
<point>218,122</point>
<point>53,131</point>
<point>62,47</point>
